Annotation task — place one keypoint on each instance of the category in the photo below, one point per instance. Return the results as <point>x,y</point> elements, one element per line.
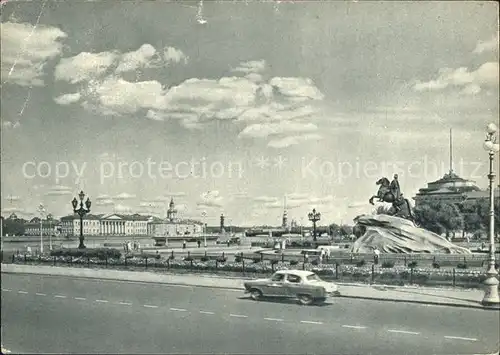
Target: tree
<point>345,230</point>
<point>439,217</point>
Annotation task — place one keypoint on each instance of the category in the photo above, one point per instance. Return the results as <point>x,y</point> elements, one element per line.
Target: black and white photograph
<point>250,177</point>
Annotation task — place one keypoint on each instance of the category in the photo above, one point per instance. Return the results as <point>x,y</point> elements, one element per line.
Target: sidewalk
<point>468,298</point>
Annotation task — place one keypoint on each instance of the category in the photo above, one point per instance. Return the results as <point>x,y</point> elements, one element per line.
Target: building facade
<point>172,226</point>
<point>48,227</point>
<point>70,225</point>
<point>449,189</point>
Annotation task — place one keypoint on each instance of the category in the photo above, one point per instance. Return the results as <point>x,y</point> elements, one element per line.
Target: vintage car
<point>305,286</point>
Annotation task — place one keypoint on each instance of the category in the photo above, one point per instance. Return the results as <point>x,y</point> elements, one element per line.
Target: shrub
<point>100,253</point>
<point>238,259</point>
<point>256,260</point>
<point>221,259</point>
<point>188,258</point>
<point>274,262</point>
<point>294,262</point>
<point>205,258</point>
<point>171,257</point>
<point>307,244</point>
<point>412,265</point>
<point>360,263</point>
<point>462,266</point>
<point>388,264</point>
<point>436,265</point>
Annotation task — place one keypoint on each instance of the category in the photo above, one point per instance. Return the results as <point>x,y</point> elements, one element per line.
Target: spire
<point>451,153</point>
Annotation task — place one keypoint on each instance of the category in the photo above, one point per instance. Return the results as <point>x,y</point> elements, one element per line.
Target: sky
<point>241,107</point>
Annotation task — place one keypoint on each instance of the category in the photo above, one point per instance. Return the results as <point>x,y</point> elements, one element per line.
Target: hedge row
<point>100,253</point>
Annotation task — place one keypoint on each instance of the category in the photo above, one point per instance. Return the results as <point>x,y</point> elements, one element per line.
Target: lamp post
<point>41,210</point>
<point>81,211</point>
<point>49,220</point>
<point>204,229</point>
<point>314,217</point>
<point>491,283</point>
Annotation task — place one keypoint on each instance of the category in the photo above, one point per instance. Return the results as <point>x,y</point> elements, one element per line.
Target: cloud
<point>120,96</point>
<point>68,99</point>
<point>278,112</point>
<point>59,190</point>
<point>122,209</point>
<point>124,196</point>
<point>292,140</point>
<point>105,202</point>
<point>486,75</point>
<point>11,125</point>
<point>150,204</point>
<point>263,130</point>
<point>298,89</point>
<point>471,89</point>
<point>176,194</point>
<point>12,198</point>
<point>294,201</point>
<point>84,66</point>
<point>174,55</point>
<point>253,66</point>
<point>487,46</point>
<point>26,49</point>
<point>144,57</point>
<point>10,210</point>
<point>265,199</point>
<point>297,196</point>
<point>210,199</point>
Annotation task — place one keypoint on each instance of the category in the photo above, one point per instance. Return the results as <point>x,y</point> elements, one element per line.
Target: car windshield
<point>313,277</point>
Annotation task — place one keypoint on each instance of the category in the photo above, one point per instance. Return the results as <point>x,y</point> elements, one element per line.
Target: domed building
<point>451,188</point>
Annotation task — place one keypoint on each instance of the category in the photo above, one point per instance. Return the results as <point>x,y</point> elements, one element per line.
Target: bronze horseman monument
<point>396,231</point>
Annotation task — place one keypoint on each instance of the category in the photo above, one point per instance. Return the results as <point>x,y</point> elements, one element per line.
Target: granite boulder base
<point>397,235</point>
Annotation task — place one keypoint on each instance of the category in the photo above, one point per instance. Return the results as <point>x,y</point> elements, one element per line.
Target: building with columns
<point>70,225</point>
<point>118,224</point>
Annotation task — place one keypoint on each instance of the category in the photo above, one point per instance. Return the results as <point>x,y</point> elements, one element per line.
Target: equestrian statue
<point>390,192</point>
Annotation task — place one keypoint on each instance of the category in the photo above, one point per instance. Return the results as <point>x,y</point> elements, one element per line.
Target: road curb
<point>117,278</point>
<point>444,304</point>
<point>125,280</point>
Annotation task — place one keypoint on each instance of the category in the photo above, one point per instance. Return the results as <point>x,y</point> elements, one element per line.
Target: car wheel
<point>256,294</point>
<point>320,301</point>
<point>305,300</point>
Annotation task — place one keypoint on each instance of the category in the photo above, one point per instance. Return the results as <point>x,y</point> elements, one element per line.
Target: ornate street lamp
<point>491,283</point>
<point>81,211</point>
<point>41,210</point>
<point>314,217</point>
<point>204,228</point>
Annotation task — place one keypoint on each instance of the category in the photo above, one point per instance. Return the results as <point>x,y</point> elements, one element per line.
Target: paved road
<point>45,314</point>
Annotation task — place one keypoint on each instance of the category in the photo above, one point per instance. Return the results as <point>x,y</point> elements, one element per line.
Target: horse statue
<point>391,193</point>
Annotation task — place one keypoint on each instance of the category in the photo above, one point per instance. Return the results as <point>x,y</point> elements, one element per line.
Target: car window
<point>293,279</point>
<point>278,277</point>
<point>313,277</point>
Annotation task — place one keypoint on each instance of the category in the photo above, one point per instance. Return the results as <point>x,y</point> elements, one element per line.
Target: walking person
<point>376,255</point>
<point>184,244</point>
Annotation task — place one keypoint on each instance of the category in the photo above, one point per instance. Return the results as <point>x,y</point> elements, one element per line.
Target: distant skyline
<point>139,102</point>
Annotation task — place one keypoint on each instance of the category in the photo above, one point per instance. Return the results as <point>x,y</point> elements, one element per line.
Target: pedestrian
<point>322,256</point>
<point>184,244</point>
<point>138,246</point>
<point>199,243</point>
<point>376,255</point>
<point>129,246</point>
<point>28,249</point>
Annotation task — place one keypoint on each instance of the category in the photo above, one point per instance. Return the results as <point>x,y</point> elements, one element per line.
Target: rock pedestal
<point>397,235</point>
